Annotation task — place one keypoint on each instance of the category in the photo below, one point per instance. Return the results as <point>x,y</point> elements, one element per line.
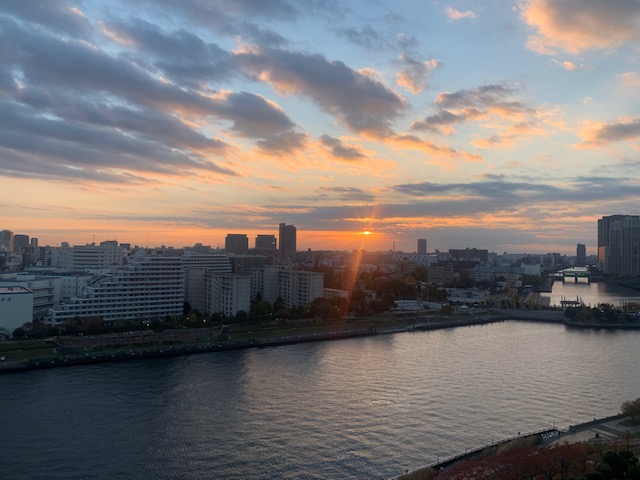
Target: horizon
<point>251,238</point>
<point>510,126</point>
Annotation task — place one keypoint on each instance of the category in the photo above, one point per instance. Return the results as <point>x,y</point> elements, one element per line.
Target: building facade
<point>46,290</point>
<point>227,293</point>
<point>296,288</point>
<point>288,246</point>
<point>422,246</point>
<point>581,255</point>
<point>149,288</point>
<point>619,245</point>
<point>16,307</point>
<point>266,244</point>
<point>237,243</point>
<point>196,267</point>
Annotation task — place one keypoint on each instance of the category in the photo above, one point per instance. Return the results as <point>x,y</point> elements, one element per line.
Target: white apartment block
<point>82,257</point>
<point>150,288</point>
<point>16,308</point>
<point>296,288</point>
<point>195,267</point>
<point>227,293</point>
<point>46,290</point>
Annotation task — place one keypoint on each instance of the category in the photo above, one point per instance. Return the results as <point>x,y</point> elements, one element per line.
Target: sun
<point>366,233</point>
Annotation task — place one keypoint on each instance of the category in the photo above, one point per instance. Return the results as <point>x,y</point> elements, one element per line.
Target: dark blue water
<point>359,408</point>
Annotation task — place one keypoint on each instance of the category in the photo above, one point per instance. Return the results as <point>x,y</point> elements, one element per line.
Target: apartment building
<point>148,288</point>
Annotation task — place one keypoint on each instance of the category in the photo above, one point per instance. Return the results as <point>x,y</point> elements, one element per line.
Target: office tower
<point>6,241</point>
<point>237,243</point>
<point>266,244</point>
<point>422,246</point>
<point>34,242</point>
<point>20,243</point>
<point>619,245</point>
<point>287,243</point>
<point>581,255</point>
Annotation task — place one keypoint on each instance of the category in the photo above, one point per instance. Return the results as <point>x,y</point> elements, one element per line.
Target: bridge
<point>576,274</point>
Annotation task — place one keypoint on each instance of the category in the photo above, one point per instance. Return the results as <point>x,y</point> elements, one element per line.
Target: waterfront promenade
<point>605,430</point>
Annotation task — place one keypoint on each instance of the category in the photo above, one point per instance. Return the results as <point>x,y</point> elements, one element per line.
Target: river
<point>592,294</point>
<point>357,408</point>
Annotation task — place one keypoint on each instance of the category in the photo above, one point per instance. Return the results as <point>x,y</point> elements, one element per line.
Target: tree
<point>19,333</point>
<point>632,408</point>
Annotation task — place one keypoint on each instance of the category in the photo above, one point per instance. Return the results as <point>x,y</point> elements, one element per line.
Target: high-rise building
<point>619,245</point>
<point>237,243</point>
<point>6,241</point>
<point>20,243</point>
<point>266,244</point>
<point>581,255</point>
<point>287,243</point>
<point>422,246</point>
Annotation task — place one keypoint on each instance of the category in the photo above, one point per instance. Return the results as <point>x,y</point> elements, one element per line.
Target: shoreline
<point>134,352</point>
<point>583,432</point>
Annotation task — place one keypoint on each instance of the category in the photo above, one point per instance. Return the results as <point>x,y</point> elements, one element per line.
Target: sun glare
<point>366,232</point>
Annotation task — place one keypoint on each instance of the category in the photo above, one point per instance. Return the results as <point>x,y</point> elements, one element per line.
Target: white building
<point>227,293</point>
<point>297,288</point>
<point>82,257</point>
<point>46,290</point>
<point>150,288</point>
<point>16,308</point>
<point>195,267</point>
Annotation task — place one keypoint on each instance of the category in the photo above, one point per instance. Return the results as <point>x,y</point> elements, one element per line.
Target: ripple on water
<point>358,408</point>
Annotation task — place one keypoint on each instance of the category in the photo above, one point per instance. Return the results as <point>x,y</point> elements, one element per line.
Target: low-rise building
<point>16,308</point>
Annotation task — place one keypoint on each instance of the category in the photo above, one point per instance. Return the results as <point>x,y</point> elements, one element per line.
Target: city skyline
<point>511,126</point>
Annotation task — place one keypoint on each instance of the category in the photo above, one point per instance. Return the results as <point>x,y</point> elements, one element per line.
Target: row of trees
<point>603,313</point>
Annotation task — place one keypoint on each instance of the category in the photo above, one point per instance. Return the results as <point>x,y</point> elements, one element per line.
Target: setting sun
<point>366,232</point>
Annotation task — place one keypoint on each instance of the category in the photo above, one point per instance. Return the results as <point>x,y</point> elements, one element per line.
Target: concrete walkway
<point>599,430</point>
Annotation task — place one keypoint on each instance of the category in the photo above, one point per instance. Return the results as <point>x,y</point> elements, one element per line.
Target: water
<point>359,408</point>
<point>592,294</point>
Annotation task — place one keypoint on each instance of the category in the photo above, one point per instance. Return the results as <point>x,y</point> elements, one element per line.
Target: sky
<point>503,125</point>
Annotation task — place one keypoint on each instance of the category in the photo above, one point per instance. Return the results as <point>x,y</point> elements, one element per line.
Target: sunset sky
<point>504,125</point>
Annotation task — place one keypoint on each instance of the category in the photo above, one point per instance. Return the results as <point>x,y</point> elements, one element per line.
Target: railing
<point>467,453</point>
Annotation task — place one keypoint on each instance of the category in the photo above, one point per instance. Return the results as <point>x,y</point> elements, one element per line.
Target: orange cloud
<point>596,134</point>
<point>574,26</point>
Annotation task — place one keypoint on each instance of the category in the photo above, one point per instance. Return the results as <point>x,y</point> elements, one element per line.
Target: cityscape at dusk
<point>511,126</point>
<point>320,239</point>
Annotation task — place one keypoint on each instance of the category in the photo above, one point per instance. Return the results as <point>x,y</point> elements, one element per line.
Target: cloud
<point>361,101</point>
<point>453,14</point>
<point>340,150</point>
<point>598,134</point>
<point>570,66</point>
<point>630,80</point>
<point>80,82</point>
<point>414,75</point>
<point>432,149</point>
<point>181,55</point>
<point>59,16</point>
<point>488,102</point>
<point>235,18</point>
<point>366,37</point>
<point>574,26</point>
<point>347,194</point>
